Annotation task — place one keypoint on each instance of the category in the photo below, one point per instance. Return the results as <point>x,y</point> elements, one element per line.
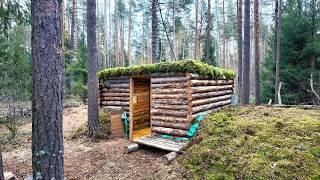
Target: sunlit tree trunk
<point>47,89</point>
<point>93,112</point>
<point>257,52</point>
<point>246,54</point>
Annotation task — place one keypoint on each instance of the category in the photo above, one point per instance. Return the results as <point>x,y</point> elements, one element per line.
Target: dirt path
<point>95,160</point>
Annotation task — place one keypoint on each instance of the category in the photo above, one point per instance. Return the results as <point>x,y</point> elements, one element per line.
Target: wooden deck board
<point>161,143</point>
<point>141,133</point>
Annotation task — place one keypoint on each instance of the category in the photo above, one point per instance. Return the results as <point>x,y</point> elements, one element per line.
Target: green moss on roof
<point>184,66</point>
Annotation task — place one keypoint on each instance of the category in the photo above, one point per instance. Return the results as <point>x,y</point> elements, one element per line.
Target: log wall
<point>114,94</point>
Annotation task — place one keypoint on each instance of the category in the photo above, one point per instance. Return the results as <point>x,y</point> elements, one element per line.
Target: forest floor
<point>85,159</point>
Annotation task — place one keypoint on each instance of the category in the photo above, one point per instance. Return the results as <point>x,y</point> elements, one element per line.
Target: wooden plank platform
<point>161,143</point>
<point>141,133</point>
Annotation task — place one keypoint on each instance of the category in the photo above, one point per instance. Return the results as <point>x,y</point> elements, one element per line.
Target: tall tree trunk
<point>196,36</point>
<point>174,31</point>
<point>277,47</point>
<point>246,54</point>
<point>1,166</point>
<point>116,32</point>
<point>47,89</point>
<point>208,53</point>
<point>105,57</point>
<point>122,43</point>
<point>129,34</point>
<point>239,28</point>
<point>109,15</point>
<point>224,36</point>
<point>98,43</point>
<point>93,111</point>
<point>313,56</point>
<point>257,52</point>
<point>74,30</point>
<point>154,19</point>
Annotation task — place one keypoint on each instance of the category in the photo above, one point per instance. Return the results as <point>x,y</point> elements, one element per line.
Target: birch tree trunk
<point>47,89</point>
<point>246,54</point>
<point>93,112</point>
<point>257,52</point>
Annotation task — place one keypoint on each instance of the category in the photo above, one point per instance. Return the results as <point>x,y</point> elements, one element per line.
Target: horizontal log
<point>118,77</point>
<point>116,81</point>
<point>174,113</point>
<point>115,94</point>
<point>211,94</point>
<point>211,82</point>
<point>210,100</point>
<point>170,119</point>
<point>196,115</point>
<point>172,85</point>
<point>124,85</point>
<point>115,90</point>
<point>169,131</point>
<point>116,108</point>
<point>168,91</point>
<point>169,101</point>
<point>210,106</point>
<point>116,103</point>
<point>168,158</point>
<point>115,98</point>
<point>173,107</point>
<point>172,74</point>
<point>168,80</point>
<point>197,76</point>
<point>183,126</point>
<point>169,96</point>
<point>203,89</point>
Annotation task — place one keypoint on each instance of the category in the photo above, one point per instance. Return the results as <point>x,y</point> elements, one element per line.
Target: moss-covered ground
<point>257,143</point>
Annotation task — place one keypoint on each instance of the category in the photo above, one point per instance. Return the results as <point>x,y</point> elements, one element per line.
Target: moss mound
<point>184,66</point>
<point>257,143</point>
<point>104,126</point>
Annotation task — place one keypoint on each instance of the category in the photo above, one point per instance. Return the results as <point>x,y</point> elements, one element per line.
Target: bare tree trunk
<point>129,34</point>
<point>116,32</point>
<point>277,46</point>
<point>93,112</point>
<point>1,166</point>
<point>154,30</point>
<point>122,42</point>
<point>105,57</point>
<point>246,54</point>
<point>196,36</point>
<point>109,62</point>
<point>208,54</point>
<point>47,89</point>
<point>239,28</point>
<point>257,52</point>
<point>74,30</point>
<point>174,30</point>
<point>224,37</point>
<point>98,44</point>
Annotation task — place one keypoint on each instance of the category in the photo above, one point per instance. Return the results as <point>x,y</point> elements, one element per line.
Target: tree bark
<point>129,34</point>
<point>47,89</point>
<point>122,43</point>
<point>246,54</point>
<point>239,29</point>
<point>174,31</point>
<point>116,33</point>
<point>74,30</point>
<point>196,36</point>
<point>1,166</point>
<point>154,19</point>
<point>257,52</point>
<point>105,57</point>
<point>93,112</point>
<point>208,54</point>
<point>277,47</point>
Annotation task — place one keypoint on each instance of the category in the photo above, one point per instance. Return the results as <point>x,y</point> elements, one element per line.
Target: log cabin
<point>165,99</point>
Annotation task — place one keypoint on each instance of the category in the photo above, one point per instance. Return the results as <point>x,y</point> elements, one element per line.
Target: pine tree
<point>47,89</point>
<point>93,111</point>
<point>246,54</point>
<point>239,28</point>
<point>257,52</point>
<point>154,19</point>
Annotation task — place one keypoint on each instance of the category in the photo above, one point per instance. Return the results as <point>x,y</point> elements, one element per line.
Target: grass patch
<point>104,126</point>
<point>257,143</point>
<point>184,66</point>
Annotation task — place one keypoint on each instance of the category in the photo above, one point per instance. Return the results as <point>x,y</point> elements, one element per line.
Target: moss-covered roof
<point>191,66</point>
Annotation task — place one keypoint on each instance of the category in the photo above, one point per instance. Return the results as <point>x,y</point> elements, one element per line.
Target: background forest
<point>125,37</point>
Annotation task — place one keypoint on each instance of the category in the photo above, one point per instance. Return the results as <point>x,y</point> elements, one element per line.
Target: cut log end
<point>131,148</point>
<point>168,158</point>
